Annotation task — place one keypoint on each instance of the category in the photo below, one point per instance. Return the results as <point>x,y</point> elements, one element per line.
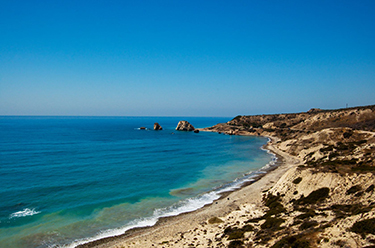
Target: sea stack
<point>157,126</point>
<point>184,126</point>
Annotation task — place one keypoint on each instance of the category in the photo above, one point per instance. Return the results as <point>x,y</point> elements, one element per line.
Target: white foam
<point>24,213</point>
<point>188,205</point>
<point>183,206</point>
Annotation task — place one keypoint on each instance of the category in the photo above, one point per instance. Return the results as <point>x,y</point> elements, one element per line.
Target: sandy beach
<point>204,226</point>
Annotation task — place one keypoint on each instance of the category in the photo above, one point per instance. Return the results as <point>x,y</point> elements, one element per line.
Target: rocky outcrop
<point>184,126</point>
<point>157,126</point>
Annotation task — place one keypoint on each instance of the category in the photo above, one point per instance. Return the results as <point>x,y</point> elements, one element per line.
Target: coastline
<point>322,193</point>
<point>188,226</point>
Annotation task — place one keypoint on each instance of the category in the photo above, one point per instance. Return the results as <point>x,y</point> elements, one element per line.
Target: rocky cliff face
<point>184,126</point>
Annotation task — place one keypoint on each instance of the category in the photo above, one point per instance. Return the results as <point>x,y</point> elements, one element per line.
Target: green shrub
<point>236,244</point>
<point>326,149</point>
<point>370,188</point>
<point>308,224</point>
<point>237,234</point>
<point>314,197</point>
<point>292,241</point>
<point>272,223</point>
<point>275,207</point>
<point>354,189</point>
<point>310,213</point>
<point>215,220</point>
<point>345,210</point>
<point>364,227</point>
<point>247,228</point>
<point>297,180</point>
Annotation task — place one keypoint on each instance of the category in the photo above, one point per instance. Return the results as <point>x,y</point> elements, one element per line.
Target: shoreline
<point>166,228</point>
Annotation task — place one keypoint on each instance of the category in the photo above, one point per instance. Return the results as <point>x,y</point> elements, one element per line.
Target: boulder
<point>142,128</point>
<point>184,126</point>
<point>157,126</point>
<point>196,131</point>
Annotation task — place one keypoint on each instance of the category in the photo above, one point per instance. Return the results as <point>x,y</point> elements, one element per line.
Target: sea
<point>66,181</point>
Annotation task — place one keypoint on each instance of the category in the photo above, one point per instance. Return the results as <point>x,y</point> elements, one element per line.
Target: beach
<point>99,177</point>
<point>194,228</point>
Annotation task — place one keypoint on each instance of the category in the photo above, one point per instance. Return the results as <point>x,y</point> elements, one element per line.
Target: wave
<point>183,206</point>
<point>24,213</point>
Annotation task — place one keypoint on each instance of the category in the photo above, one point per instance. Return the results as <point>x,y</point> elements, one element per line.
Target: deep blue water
<point>69,179</point>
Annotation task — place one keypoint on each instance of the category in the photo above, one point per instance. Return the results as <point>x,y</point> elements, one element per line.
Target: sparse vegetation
<point>272,223</point>
<point>314,197</point>
<point>354,189</point>
<point>296,221</point>
<point>215,220</point>
<point>308,224</point>
<point>236,244</point>
<point>297,180</point>
<point>364,227</point>
<point>296,241</point>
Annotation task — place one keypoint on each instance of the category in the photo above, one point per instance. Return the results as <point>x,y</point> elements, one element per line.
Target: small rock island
<point>157,126</point>
<point>184,126</point>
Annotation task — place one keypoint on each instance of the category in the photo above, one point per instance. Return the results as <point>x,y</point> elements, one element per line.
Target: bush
<point>314,197</point>
<point>308,224</point>
<point>237,234</point>
<point>364,227</point>
<point>273,202</point>
<point>342,211</point>
<point>310,213</point>
<point>215,220</point>
<point>297,180</point>
<point>272,223</point>
<point>236,244</point>
<point>370,188</point>
<point>292,241</point>
<point>354,189</point>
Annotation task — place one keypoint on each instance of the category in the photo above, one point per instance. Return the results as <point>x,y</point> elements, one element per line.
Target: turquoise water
<point>68,180</point>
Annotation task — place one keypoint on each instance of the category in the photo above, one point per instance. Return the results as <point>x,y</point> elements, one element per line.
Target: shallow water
<point>73,179</point>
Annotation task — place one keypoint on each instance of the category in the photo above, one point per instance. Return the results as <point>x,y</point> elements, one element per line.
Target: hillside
<point>328,199</point>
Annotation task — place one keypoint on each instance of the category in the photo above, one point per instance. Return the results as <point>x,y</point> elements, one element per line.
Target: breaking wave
<point>24,213</point>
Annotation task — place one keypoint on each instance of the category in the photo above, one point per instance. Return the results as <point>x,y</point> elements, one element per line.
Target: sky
<point>185,58</point>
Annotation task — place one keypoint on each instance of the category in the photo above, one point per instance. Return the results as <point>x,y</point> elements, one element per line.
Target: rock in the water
<point>184,126</point>
<point>196,131</point>
<point>157,126</point>
<point>142,128</point>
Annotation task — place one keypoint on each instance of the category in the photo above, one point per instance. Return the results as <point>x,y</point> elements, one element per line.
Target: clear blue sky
<point>184,58</point>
